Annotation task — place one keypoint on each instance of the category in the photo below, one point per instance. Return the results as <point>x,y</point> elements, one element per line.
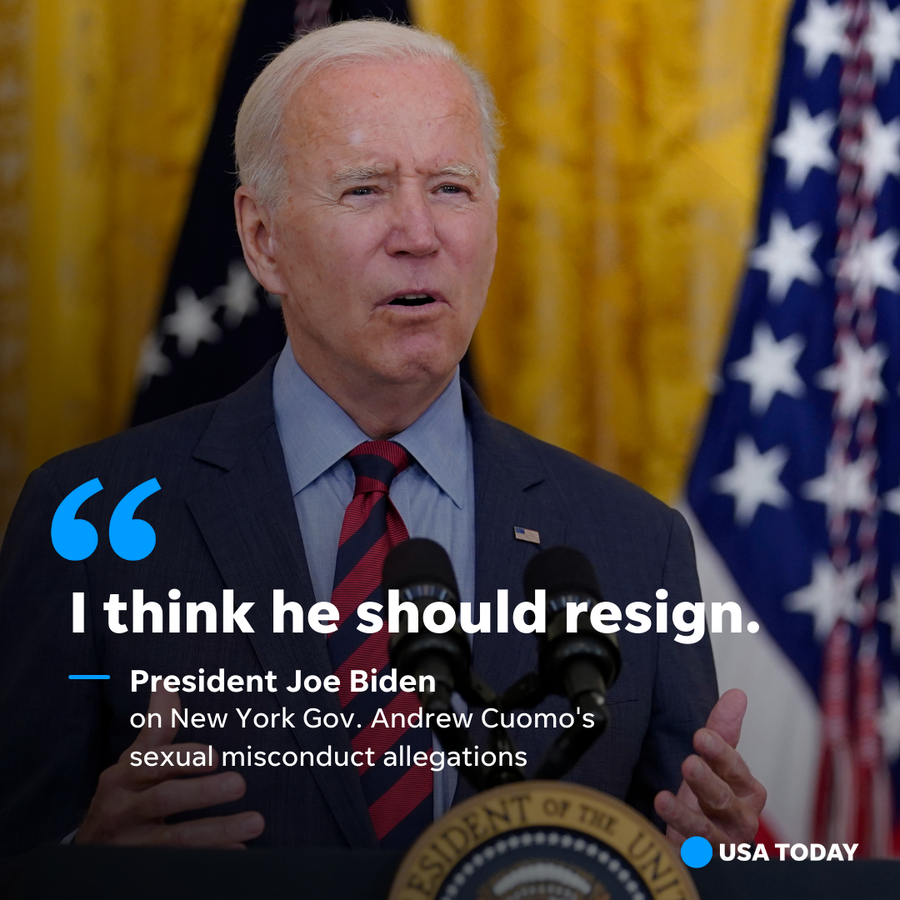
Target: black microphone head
<point>561,570</point>
<point>418,561</point>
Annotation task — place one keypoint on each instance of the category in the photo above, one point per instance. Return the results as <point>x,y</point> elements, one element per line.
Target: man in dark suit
<point>368,204</point>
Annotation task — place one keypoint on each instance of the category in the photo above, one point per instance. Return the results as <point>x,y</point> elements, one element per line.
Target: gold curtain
<point>628,186</point>
<point>104,106</point>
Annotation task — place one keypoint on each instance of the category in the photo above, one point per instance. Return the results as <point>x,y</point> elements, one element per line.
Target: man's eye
<point>451,189</point>
<point>362,191</point>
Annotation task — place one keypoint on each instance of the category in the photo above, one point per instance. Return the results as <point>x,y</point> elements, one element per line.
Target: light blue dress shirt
<point>435,496</point>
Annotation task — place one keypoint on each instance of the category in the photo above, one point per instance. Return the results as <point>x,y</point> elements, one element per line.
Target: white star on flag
<point>770,367</point>
<point>804,143</point>
<point>753,479</point>
<point>855,377</point>
<point>889,611</point>
<point>152,361</point>
<point>829,597</point>
<point>238,296</point>
<point>882,39</point>
<point>889,720</point>
<point>822,33</point>
<point>880,149</point>
<point>843,486</point>
<point>870,264</point>
<point>891,501</point>
<point>191,322</point>
<point>787,255</point>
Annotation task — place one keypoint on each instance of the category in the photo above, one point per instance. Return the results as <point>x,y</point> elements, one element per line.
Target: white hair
<point>257,139</point>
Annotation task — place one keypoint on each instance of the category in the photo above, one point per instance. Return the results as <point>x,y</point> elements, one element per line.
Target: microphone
<point>422,572</point>
<point>581,666</point>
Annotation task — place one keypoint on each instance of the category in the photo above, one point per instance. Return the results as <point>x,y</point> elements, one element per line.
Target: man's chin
<point>422,370</point>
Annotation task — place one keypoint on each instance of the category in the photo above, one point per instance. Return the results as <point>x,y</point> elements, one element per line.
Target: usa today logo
<point>696,852</point>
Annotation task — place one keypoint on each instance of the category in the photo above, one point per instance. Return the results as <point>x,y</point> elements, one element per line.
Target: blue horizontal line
<point>88,677</point>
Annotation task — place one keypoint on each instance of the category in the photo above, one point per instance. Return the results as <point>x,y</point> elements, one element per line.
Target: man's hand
<point>719,799</point>
<point>132,802</point>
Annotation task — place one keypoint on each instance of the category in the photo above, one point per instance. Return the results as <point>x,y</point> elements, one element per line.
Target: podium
<point>102,873</point>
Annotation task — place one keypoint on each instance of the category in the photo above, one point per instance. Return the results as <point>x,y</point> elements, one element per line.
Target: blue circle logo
<point>696,852</point>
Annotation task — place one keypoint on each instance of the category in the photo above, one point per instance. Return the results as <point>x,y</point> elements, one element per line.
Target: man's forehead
<point>359,98</point>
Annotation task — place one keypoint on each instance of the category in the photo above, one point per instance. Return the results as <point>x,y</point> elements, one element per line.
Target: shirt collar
<point>316,433</point>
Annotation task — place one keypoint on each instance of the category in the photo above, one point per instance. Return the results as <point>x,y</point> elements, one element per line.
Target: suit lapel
<point>506,474</point>
<point>248,521</point>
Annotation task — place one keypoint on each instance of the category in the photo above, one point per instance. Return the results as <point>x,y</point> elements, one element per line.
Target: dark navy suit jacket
<point>225,518</point>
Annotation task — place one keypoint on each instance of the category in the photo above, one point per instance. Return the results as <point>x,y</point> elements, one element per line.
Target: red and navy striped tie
<point>399,796</point>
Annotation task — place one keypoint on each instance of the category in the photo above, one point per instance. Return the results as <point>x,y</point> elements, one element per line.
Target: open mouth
<point>412,300</point>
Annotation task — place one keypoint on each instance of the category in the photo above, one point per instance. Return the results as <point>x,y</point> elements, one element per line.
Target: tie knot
<point>376,464</point>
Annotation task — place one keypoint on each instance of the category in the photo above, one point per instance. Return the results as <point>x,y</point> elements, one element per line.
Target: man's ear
<point>254,227</point>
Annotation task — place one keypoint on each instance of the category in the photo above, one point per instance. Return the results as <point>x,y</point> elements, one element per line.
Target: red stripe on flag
<point>835,811</point>
<point>766,837</point>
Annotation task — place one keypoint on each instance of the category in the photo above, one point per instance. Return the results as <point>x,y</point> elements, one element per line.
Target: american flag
<point>795,488</point>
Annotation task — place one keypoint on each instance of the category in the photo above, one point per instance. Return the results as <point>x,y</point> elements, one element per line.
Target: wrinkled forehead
<point>358,103</point>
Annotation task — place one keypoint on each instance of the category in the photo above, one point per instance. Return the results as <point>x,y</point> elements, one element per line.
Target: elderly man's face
<point>386,243</point>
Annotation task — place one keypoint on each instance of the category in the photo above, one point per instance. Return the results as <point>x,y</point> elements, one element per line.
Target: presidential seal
<point>542,840</point>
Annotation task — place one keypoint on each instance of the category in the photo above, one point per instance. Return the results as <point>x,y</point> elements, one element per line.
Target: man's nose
<point>413,230</point>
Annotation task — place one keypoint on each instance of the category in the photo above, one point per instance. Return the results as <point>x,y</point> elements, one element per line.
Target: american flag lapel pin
<point>527,534</point>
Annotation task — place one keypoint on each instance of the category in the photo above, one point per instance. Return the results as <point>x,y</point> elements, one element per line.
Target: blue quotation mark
<point>130,538</point>
<point>696,852</point>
